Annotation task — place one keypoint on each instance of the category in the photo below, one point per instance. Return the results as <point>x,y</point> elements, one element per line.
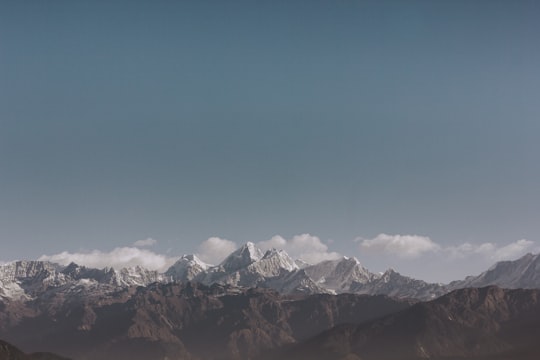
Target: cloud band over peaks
<point>118,258</point>
<point>407,246</point>
<point>414,246</point>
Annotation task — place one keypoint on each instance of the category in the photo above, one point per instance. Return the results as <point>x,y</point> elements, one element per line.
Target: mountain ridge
<point>182,321</point>
<point>472,323</point>
<point>249,266</point>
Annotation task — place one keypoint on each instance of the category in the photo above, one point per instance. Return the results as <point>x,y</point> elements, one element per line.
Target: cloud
<point>405,246</point>
<point>414,246</point>
<point>513,250</point>
<point>492,251</point>
<point>215,249</point>
<point>118,258</point>
<point>305,246</point>
<point>145,242</point>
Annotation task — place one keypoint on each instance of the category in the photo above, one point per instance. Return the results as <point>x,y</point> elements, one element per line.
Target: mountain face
<point>521,273</point>
<point>241,258</point>
<point>25,280</point>
<point>486,323</point>
<point>187,268</point>
<point>181,321</point>
<point>392,283</point>
<point>339,275</point>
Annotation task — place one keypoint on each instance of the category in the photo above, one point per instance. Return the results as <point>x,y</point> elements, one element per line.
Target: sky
<point>404,133</point>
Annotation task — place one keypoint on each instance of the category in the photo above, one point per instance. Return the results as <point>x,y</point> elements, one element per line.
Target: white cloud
<point>513,250</point>
<point>118,258</point>
<point>305,246</point>
<point>406,246</point>
<point>413,246</point>
<point>492,251</point>
<point>145,242</point>
<point>215,249</point>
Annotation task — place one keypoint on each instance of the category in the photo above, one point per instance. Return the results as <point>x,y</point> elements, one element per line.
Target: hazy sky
<point>405,133</point>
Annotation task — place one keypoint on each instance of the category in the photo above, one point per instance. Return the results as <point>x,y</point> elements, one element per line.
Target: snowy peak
<point>187,268</point>
<point>135,276</point>
<point>394,284</point>
<point>22,270</point>
<point>273,263</point>
<point>338,275</point>
<point>242,257</point>
<point>280,258</point>
<point>28,279</point>
<point>248,267</point>
<point>194,260</point>
<point>521,273</point>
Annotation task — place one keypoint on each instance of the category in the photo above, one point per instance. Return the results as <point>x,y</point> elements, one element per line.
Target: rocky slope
<point>486,323</point>
<point>521,273</point>
<point>181,321</point>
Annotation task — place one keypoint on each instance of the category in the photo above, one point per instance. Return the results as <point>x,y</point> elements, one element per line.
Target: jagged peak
<point>242,257</point>
<point>253,250</point>
<point>527,258</point>
<point>248,250</point>
<point>191,259</point>
<point>350,259</point>
<point>275,252</point>
<point>29,268</point>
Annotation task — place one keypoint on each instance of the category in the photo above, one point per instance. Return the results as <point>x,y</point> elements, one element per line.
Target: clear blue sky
<point>182,120</point>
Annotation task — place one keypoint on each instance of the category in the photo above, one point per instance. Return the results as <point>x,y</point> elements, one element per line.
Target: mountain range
<point>475,323</point>
<point>256,305</point>
<point>250,267</point>
<point>181,321</point>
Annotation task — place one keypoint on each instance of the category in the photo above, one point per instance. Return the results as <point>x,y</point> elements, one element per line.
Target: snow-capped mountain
<point>242,257</point>
<point>22,279</point>
<point>249,267</point>
<point>338,275</point>
<point>187,268</point>
<point>136,275</point>
<point>29,279</point>
<point>394,284</point>
<point>521,273</point>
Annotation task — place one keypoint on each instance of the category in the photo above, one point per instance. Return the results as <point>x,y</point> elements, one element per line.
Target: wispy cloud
<point>305,246</point>
<point>415,246</point>
<point>492,251</point>
<point>145,243</point>
<point>215,249</point>
<point>118,258</point>
<point>406,246</point>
